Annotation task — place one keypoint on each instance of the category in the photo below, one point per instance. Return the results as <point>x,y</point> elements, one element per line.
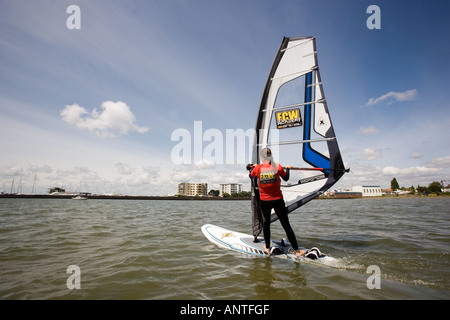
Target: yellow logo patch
<point>267,177</point>
<point>288,118</point>
<point>228,234</point>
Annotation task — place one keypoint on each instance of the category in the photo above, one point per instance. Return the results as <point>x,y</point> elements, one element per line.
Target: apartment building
<point>192,189</point>
<point>230,188</point>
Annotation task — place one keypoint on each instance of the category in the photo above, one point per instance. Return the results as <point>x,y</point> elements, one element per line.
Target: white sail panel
<point>289,68</point>
<point>322,122</point>
<point>294,121</point>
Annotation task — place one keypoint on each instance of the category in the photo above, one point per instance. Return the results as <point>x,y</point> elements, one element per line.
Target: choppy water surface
<point>129,249</point>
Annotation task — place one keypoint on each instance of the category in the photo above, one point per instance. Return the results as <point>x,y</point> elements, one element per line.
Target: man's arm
<point>287,172</point>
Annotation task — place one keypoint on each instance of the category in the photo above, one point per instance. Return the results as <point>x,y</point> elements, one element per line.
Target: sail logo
<point>288,118</point>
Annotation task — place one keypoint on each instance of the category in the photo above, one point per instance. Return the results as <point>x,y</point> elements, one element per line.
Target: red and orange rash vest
<point>269,181</point>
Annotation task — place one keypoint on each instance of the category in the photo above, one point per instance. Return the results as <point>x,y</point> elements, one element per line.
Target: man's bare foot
<point>299,253</point>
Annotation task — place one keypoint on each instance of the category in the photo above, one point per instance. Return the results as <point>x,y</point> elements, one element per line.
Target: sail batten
<point>298,73</point>
<point>295,105</point>
<point>297,141</point>
<point>300,44</point>
<point>294,120</point>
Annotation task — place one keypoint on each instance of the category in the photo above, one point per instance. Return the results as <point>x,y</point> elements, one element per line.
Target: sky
<point>96,97</point>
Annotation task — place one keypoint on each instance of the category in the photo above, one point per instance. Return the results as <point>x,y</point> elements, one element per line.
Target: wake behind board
<point>244,243</point>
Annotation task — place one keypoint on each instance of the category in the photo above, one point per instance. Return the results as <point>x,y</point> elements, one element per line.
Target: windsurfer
<point>268,174</point>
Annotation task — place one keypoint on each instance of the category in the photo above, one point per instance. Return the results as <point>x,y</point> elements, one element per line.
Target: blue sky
<point>99,104</point>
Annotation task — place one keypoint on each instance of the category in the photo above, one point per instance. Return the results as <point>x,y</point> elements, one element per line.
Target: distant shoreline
<point>431,196</point>
<point>125,197</point>
<point>115,197</point>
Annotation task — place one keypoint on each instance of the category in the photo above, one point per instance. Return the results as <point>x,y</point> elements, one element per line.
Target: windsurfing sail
<point>294,122</point>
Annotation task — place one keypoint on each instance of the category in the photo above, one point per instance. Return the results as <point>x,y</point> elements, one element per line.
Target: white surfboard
<point>244,243</point>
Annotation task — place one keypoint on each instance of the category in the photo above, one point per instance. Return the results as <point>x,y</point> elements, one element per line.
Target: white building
<point>368,191</point>
<point>192,189</point>
<point>230,188</point>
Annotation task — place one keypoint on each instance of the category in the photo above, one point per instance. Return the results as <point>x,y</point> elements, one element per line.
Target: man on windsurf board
<point>268,174</point>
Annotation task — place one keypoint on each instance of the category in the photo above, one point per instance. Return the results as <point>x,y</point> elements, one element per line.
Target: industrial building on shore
<point>355,192</point>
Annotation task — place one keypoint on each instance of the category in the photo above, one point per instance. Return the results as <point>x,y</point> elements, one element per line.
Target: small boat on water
<point>79,198</point>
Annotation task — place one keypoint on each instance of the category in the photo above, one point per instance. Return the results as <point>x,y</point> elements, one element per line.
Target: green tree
<point>245,194</point>
<point>214,193</point>
<point>435,187</point>
<point>422,190</point>
<point>394,184</point>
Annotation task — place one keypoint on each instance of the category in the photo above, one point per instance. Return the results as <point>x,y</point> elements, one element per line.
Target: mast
<point>34,183</point>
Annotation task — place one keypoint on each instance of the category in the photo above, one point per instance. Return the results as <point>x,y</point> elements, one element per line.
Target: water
<point>130,249</point>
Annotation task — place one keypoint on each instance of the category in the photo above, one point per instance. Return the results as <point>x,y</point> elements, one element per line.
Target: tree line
<point>242,194</point>
<point>433,187</point>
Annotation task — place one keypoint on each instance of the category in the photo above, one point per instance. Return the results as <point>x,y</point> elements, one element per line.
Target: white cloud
<point>371,154</point>
<point>205,164</point>
<point>369,130</point>
<point>124,169</point>
<point>416,155</point>
<point>443,162</point>
<point>152,174</point>
<point>115,119</point>
<point>393,96</point>
<point>410,172</point>
<point>136,180</point>
<point>11,171</point>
